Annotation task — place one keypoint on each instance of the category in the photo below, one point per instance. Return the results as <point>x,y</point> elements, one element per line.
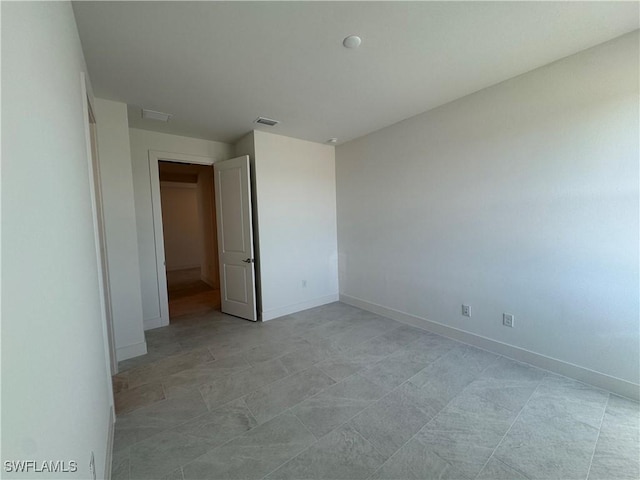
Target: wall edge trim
<point>298,307</point>
<point>152,323</point>
<point>110,438</point>
<point>615,385</point>
<point>130,351</point>
<point>183,267</point>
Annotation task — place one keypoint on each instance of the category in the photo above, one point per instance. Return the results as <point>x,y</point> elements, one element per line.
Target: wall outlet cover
<point>507,319</point>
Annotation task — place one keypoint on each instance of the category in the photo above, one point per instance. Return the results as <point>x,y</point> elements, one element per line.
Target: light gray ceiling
<point>216,66</point>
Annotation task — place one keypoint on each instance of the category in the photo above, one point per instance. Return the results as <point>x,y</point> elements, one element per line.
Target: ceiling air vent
<point>266,121</point>
<point>153,115</point>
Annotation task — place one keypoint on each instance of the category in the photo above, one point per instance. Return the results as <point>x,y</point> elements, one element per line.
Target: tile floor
<point>339,393</point>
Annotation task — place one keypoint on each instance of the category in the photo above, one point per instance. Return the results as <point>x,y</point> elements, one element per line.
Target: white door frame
<point>98,228</point>
<point>154,158</point>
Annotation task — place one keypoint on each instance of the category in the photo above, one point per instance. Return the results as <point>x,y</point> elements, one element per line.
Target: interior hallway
<point>340,393</point>
<point>189,295</point>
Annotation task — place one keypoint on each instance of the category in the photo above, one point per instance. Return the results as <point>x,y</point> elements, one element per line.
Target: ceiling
<point>216,66</point>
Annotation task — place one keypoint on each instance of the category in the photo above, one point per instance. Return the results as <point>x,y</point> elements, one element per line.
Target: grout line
<point>129,463</point>
<point>289,409</point>
<point>216,447</point>
<point>164,393</point>
<point>431,362</point>
<point>595,446</point>
<point>208,348</point>
<point>321,361</point>
<point>436,414</point>
<point>251,429</point>
<point>385,357</point>
<point>346,421</point>
<point>337,427</point>
<point>173,427</point>
<point>509,429</point>
<point>326,434</point>
<point>251,412</point>
<point>372,446</point>
<point>394,326</point>
<point>295,456</point>
<point>414,435</point>
<point>206,404</point>
<point>394,389</point>
<point>422,327</point>
<point>506,466</point>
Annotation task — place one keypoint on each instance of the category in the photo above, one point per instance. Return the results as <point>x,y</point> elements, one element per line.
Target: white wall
<point>56,394</point>
<point>296,211</point>
<point>141,142</point>
<point>181,224</point>
<point>520,198</point>
<point>120,227</point>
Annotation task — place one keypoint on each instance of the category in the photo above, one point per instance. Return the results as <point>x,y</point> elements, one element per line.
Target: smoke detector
<point>266,121</point>
<point>352,41</point>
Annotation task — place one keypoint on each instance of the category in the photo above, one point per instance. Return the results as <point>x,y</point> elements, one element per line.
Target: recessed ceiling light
<point>153,115</point>
<point>352,41</point>
<point>332,140</point>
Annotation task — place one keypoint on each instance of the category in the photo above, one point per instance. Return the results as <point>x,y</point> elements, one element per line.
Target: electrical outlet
<point>507,319</point>
<point>466,310</point>
<point>92,466</point>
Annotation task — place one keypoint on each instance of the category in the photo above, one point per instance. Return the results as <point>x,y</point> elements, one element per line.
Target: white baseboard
<point>154,323</point>
<point>130,351</point>
<point>597,379</point>
<point>183,267</point>
<point>298,307</point>
<point>108,459</point>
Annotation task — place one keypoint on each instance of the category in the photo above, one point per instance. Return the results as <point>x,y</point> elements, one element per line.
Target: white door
<point>235,238</point>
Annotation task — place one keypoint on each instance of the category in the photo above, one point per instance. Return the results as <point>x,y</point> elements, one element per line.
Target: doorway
<point>190,239</point>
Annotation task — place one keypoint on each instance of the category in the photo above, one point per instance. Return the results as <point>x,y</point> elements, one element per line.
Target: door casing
<point>155,157</point>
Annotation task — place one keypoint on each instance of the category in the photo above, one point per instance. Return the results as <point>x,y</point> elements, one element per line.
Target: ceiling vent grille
<point>267,121</point>
<point>153,115</point>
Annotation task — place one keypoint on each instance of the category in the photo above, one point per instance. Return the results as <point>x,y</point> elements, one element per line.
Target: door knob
<point>248,260</point>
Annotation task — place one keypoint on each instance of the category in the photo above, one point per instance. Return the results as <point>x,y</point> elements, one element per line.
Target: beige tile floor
<point>339,393</point>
